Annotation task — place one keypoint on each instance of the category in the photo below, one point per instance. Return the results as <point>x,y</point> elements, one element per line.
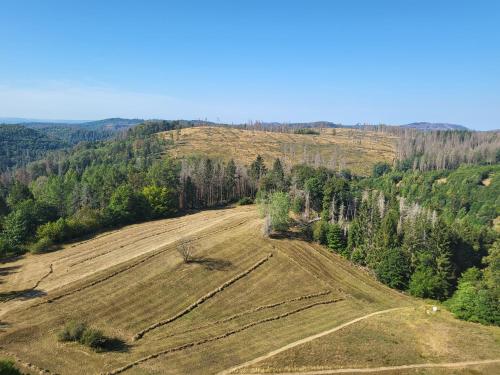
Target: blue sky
<point>234,61</point>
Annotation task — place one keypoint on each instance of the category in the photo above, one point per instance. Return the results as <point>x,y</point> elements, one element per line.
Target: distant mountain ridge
<point>434,126</point>
<point>118,123</point>
<point>115,123</point>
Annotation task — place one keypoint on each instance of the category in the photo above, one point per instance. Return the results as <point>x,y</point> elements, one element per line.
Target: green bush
<point>79,332</point>
<point>319,230</point>
<point>55,231</point>
<point>72,331</point>
<point>93,338</point>
<point>245,201</point>
<point>298,204</point>
<point>42,245</point>
<point>7,368</point>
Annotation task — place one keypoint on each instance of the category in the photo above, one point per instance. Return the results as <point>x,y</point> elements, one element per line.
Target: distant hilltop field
<point>342,148</point>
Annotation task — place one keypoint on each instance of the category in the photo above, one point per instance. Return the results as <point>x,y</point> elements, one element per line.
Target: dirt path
<point>386,368</point>
<point>304,340</point>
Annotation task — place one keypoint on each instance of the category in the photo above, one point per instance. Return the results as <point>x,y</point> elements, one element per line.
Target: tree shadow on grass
<point>212,264</point>
<point>295,235</point>
<point>4,271</point>
<point>114,344</point>
<point>22,295</point>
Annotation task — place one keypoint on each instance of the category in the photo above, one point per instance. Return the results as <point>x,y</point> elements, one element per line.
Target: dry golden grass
<point>334,148</point>
<point>403,337</point>
<point>127,280</point>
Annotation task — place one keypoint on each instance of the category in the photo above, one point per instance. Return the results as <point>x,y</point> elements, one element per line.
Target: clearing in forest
<point>337,148</point>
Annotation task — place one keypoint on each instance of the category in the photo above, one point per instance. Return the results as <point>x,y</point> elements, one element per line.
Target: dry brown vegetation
<point>241,296</point>
<point>335,148</point>
<point>408,336</point>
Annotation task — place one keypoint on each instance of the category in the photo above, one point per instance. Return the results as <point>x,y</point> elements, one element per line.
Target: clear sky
<point>344,61</point>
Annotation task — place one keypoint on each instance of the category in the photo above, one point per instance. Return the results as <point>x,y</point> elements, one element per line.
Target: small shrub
<point>93,338</point>
<point>79,332</point>
<point>306,131</point>
<point>72,331</point>
<point>7,368</point>
<point>245,201</point>
<point>43,245</point>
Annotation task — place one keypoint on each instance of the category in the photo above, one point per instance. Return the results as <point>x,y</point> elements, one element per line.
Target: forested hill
<point>30,141</point>
<point>21,145</point>
<point>434,126</point>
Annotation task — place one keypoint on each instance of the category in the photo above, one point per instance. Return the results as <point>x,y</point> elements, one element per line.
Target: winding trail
<point>385,368</point>
<point>219,337</point>
<point>304,340</point>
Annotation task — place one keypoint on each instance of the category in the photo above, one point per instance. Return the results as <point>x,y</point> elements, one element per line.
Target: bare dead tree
<point>266,228</point>
<point>185,251</point>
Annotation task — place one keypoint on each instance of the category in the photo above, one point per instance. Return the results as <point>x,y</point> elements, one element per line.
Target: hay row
<point>121,246</point>
<point>98,281</point>
<point>51,269</point>
<point>215,338</point>
<point>191,307</point>
<point>133,265</point>
<point>254,310</point>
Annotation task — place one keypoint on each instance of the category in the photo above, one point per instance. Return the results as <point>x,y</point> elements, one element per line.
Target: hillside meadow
<point>339,148</point>
<point>240,297</point>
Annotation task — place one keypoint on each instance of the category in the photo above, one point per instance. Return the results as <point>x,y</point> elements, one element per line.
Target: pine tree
<point>335,238</point>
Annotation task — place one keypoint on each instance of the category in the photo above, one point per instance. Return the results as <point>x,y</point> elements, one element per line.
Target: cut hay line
<point>133,265</point>
<point>298,264</point>
<point>98,281</point>
<point>127,244</point>
<point>385,368</point>
<point>207,296</point>
<point>254,310</point>
<point>51,269</point>
<point>215,338</point>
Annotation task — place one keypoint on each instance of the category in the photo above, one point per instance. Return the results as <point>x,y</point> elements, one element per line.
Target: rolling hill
<point>21,145</point>
<point>244,304</point>
<point>340,148</point>
<point>434,126</point>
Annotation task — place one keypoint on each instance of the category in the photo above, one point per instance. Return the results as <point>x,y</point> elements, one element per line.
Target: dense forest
<point>20,145</point>
<point>27,142</point>
<point>427,232</point>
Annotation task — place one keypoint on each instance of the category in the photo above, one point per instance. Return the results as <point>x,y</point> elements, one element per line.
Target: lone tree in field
<point>184,249</point>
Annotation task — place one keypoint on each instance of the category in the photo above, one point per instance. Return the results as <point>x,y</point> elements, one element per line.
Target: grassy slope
<point>354,149</point>
<point>129,279</point>
<point>408,336</point>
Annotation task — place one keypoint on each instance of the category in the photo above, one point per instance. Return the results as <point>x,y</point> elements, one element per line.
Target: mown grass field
<point>334,148</point>
<point>242,297</point>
